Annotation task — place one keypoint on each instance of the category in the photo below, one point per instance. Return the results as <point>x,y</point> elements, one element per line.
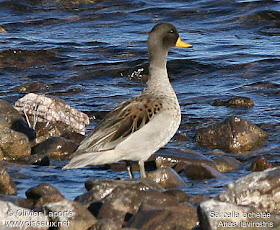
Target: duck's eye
<point>171,31</point>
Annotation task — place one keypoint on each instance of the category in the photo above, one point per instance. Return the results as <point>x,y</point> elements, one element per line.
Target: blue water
<point>86,54</point>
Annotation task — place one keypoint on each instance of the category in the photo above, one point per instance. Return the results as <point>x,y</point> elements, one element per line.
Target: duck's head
<point>161,39</point>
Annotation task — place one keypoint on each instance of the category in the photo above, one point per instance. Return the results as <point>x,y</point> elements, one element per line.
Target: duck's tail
<point>94,158</point>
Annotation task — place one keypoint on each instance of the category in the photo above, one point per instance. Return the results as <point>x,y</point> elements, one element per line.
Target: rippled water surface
<point>87,51</point>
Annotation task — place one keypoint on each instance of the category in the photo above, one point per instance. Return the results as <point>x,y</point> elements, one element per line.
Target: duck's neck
<point>158,79</point>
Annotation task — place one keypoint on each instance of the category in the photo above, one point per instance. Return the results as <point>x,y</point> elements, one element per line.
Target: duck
<point>141,125</point>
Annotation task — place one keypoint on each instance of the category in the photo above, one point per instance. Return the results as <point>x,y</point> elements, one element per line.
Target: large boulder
<point>259,189</point>
<point>52,109</point>
<point>14,119</point>
<point>234,135</point>
<point>13,144</point>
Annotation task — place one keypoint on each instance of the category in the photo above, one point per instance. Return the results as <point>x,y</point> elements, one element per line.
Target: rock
<point>73,214</point>
<point>226,163</point>
<point>8,112</point>
<point>181,216</point>
<point>52,109</point>
<point>70,3</point>
<point>32,87</point>
<point>260,190</point>
<point>234,135</point>
<point>46,130</point>
<point>99,189</point>
<point>178,194</point>
<point>240,102</point>
<point>127,200</point>
<point>7,185</point>
<point>260,164</point>
<point>221,215</point>
<point>167,178</point>
<point>13,145</point>
<point>244,102</point>
<point>36,160</point>
<point>22,127</point>
<point>107,224</point>
<point>197,200</point>
<point>14,119</point>
<point>171,159</point>
<point>109,185</point>
<point>41,190</point>
<point>121,166</point>
<point>18,201</point>
<point>31,220</point>
<point>23,59</point>
<point>55,147</point>
<point>50,198</point>
<point>201,172</point>
<point>179,136</point>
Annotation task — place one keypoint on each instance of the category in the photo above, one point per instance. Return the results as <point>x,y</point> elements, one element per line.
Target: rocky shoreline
<point>156,202</point>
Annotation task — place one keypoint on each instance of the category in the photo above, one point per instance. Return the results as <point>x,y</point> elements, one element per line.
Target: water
<point>86,52</point>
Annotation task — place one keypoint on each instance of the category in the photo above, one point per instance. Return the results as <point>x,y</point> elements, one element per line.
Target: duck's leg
<point>142,169</point>
<point>128,166</point>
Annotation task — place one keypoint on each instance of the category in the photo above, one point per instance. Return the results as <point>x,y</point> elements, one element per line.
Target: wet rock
<point>75,2</point>
<point>259,189</point>
<point>52,109</point>
<point>179,136</point>
<point>260,164</point>
<point>14,119</point>
<point>234,135</point>
<point>13,145</point>
<point>244,102</point>
<point>50,198</point>
<point>171,159</point>
<point>41,190</point>
<point>182,216</point>
<point>11,212</point>
<point>167,178</point>
<point>7,185</point>
<point>201,171</point>
<point>121,166</point>
<point>178,194</point>
<point>35,160</point>
<point>240,102</point>
<point>98,189</point>
<point>221,215</point>
<point>73,214</point>
<point>47,130</point>
<point>17,58</point>
<point>109,185</point>
<point>32,87</point>
<point>8,112</point>
<point>55,147</point>
<point>127,200</point>
<point>197,200</point>
<point>227,163</point>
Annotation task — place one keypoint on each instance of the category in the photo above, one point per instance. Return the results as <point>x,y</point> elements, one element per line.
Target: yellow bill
<point>181,43</point>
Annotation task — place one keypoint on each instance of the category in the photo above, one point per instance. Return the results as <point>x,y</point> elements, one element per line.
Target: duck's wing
<point>120,123</point>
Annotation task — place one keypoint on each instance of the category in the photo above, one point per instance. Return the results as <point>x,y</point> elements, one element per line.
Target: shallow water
<point>86,53</point>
